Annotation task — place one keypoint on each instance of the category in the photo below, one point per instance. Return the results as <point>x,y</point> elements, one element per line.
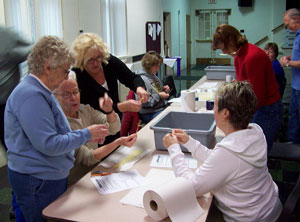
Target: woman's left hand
<point>169,139</point>
<point>106,103</point>
<point>166,88</point>
<point>142,94</point>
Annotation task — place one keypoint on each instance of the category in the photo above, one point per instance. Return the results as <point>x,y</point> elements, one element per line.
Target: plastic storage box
<point>219,72</point>
<point>200,126</point>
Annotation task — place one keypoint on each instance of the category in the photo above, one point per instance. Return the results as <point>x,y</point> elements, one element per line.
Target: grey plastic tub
<point>219,72</point>
<point>200,126</point>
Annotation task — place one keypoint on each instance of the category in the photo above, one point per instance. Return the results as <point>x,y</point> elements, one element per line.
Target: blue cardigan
<point>37,134</point>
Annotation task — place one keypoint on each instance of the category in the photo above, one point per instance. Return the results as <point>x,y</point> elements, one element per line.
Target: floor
<point>5,196</point>
<point>284,173</point>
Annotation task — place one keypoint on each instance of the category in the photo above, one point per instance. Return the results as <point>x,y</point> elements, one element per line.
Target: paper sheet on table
<point>159,160</point>
<point>177,100</point>
<point>124,157</point>
<point>155,177</point>
<point>116,182</point>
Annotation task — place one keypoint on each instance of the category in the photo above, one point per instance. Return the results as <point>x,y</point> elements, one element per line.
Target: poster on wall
<point>153,33</point>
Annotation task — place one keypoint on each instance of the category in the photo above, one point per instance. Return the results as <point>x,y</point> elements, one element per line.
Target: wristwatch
<point>287,64</point>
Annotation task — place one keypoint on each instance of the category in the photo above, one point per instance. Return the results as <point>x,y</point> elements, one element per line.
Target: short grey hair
<point>49,49</point>
<point>293,12</point>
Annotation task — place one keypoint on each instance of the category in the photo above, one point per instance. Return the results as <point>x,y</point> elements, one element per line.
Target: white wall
<point>70,19</point>
<point>138,13</point>
<point>80,15</point>
<point>257,21</point>
<point>2,17</point>
<point>85,15</point>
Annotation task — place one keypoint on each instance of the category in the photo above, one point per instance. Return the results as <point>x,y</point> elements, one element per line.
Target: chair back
<point>290,152</point>
<point>169,80</point>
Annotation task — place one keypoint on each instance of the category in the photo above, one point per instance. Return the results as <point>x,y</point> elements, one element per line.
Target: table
<point>82,202</point>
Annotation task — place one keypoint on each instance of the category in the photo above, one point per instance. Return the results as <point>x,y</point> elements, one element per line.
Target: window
<point>208,20</point>
<point>48,18</point>
<point>34,18</point>
<point>114,25</point>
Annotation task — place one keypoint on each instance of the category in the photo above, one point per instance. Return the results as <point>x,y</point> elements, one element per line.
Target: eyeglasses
<point>67,95</point>
<point>92,60</point>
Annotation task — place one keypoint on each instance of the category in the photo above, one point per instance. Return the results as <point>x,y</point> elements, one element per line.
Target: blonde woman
<point>98,72</point>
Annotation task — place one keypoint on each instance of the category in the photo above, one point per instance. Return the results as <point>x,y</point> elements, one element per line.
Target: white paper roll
<point>176,199</point>
<point>188,100</point>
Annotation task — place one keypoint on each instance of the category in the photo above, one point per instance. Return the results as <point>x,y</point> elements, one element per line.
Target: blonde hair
<point>151,59</point>
<point>239,98</point>
<point>51,49</point>
<point>84,45</point>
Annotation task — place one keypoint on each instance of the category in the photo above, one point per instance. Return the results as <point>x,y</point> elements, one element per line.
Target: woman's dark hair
<point>229,36</point>
<point>273,46</point>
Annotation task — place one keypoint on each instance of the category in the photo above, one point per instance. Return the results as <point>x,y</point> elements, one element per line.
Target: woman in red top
<point>252,64</point>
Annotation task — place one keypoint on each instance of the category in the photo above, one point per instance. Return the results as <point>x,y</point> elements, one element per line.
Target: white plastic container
<point>219,72</point>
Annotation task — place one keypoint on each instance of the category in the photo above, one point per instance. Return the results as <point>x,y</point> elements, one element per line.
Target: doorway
<point>167,40</point>
<point>188,41</point>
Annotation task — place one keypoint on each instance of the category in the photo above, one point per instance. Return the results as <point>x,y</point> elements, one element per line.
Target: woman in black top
<point>97,72</point>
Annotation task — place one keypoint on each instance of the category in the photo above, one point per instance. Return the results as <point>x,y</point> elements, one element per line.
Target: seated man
<point>80,116</point>
<point>159,93</point>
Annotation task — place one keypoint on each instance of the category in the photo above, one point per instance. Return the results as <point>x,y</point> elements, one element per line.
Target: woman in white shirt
<point>235,171</point>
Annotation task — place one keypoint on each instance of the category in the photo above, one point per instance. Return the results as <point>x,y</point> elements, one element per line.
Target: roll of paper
<point>188,100</point>
<point>176,199</point>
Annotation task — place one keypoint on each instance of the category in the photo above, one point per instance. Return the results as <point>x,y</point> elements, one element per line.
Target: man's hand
<point>284,60</point>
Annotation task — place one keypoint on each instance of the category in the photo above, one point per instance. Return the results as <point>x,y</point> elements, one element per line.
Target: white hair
<point>72,75</point>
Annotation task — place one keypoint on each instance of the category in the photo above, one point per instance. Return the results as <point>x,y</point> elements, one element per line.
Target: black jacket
<point>90,90</point>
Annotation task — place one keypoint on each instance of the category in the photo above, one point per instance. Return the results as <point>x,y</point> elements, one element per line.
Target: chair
<point>290,152</point>
<point>169,80</point>
<point>283,88</point>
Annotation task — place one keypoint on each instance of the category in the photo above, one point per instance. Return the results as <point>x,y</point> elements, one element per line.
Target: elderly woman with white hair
<point>39,140</point>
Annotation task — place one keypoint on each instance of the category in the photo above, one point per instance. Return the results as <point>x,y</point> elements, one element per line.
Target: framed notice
<point>153,33</point>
